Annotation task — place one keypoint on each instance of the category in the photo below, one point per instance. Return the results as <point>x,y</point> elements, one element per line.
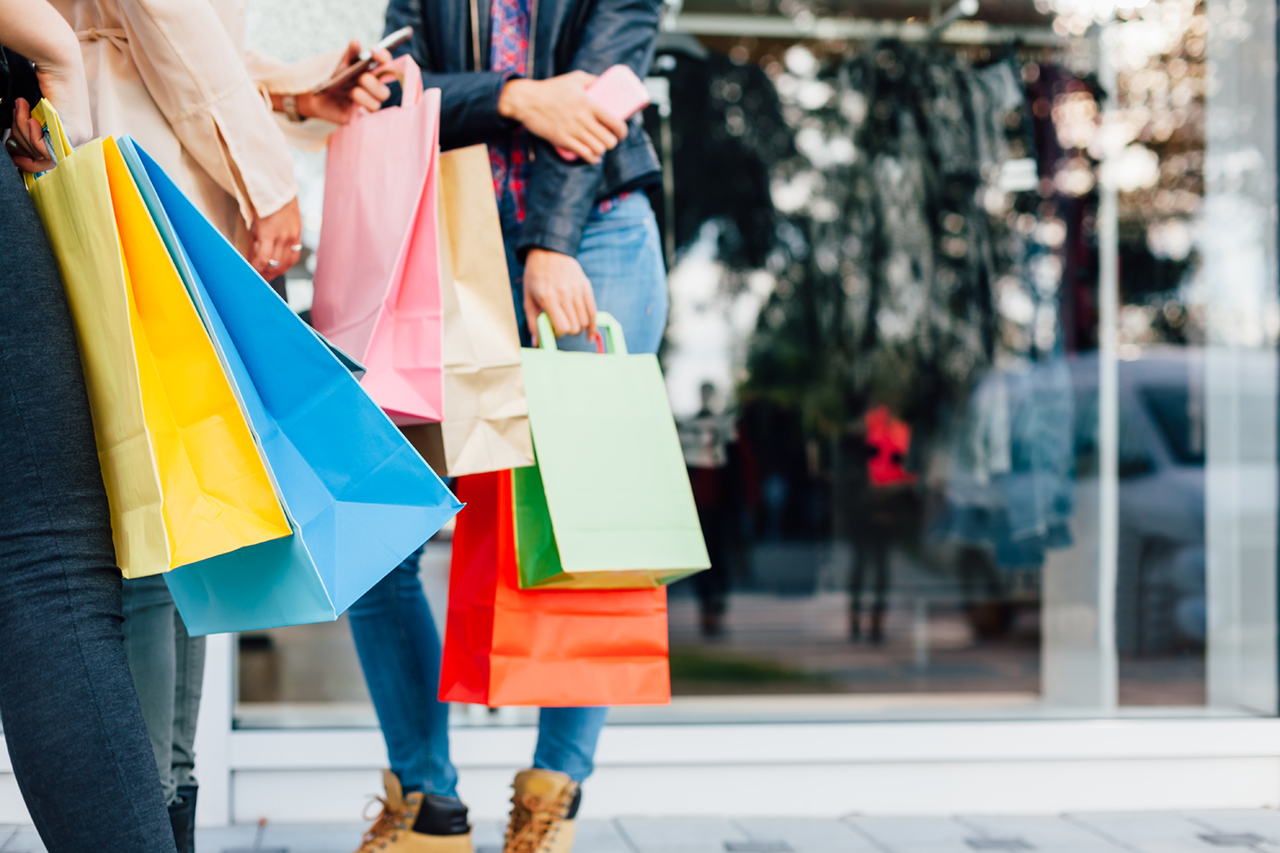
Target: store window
<point>971,351</point>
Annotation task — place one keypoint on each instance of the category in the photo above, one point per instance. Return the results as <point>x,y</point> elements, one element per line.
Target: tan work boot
<point>400,827</point>
<point>542,812</point>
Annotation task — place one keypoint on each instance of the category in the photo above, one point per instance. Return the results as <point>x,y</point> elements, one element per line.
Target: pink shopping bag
<point>377,280</point>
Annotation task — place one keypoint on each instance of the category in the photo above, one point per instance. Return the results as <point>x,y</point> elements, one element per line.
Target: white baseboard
<point>811,769</point>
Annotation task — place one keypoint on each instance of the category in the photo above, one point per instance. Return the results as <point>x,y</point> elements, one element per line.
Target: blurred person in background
<point>580,237</point>
<point>72,723</point>
<point>173,74</point>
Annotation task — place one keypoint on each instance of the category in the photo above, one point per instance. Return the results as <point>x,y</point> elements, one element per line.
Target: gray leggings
<point>72,724</point>
<point>168,669</point>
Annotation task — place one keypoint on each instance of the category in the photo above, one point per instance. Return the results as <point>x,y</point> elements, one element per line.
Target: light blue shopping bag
<point>358,496</point>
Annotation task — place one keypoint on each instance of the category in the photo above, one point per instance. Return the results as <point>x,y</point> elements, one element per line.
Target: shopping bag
<point>608,504</point>
<point>550,648</point>
<point>486,419</point>
<point>185,480</point>
<point>358,497</point>
<point>377,279</point>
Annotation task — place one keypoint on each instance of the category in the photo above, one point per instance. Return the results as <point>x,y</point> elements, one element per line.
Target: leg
<point>400,652</point>
<point>187,687</point>
<point>567,740</point>
<point>149,647</point>
<point>881,552</point>
<point>73,727</point>
<point>855,588</point>
<point>621,253</point>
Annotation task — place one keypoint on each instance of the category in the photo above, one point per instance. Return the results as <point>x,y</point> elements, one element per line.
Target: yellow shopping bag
<point>185,478</point>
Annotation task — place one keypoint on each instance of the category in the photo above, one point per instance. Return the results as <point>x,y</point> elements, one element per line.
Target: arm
<point>468,99</point>
<point>34,29</point>
<point>196,76</point>
<point>561,194</point>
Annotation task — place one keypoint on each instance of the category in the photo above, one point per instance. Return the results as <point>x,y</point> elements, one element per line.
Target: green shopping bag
<point>607,504</point>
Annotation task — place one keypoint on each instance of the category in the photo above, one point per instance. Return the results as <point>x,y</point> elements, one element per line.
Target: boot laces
<point>536,821</point>
<point>390,821</point>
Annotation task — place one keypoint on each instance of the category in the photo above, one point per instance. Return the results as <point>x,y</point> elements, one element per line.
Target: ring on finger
<point>273,263</point>
<point>296,247</point>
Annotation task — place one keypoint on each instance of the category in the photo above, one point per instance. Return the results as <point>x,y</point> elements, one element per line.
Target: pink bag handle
<point>407,72</point>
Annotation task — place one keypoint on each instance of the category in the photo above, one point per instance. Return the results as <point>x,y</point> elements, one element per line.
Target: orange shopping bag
<point>551,648</point>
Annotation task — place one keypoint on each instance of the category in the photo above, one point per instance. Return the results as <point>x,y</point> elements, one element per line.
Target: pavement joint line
<point>622,833</point>
<point>850,820</point>
<point>1105,836</point>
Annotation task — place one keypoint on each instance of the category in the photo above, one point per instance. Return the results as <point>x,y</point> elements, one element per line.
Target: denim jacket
<point>565,35</point>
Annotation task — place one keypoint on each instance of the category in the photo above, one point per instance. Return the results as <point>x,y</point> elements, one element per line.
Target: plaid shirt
<point>509,51</point>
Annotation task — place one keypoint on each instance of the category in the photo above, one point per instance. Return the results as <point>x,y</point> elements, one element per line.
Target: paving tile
<point>807,836</point>
<point>679,835</point>
<point>22,840</point>
<point>1047,834</point>
<point>1263,823</point>
<point>313,839</point>
<point>225,838</point>
<point>1148,832</point>
<point>6,834</point>
<point>915,835</point>
<point>487,835</point>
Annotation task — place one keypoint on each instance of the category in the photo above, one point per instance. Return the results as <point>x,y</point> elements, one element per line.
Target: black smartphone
<point>364,62</point>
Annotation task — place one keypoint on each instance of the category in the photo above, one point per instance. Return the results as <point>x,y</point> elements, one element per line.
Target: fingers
<point>580,78</point>
<point>353,52</point>
<point>614,125</point>
<point>592,331</point>
<point>381,56</point>
<point>531,312</point>
<point>371,92</point>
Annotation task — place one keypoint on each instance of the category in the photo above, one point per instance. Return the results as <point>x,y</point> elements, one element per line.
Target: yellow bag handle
<point>55,137</point>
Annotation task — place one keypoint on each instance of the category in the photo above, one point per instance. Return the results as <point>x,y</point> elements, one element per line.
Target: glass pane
<point>884,356</point>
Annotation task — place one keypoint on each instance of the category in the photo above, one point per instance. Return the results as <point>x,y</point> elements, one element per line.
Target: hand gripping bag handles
<point>550,648</point>
<point>185,480</point>
<point>486,419</point>
<point>377,281</point>
<point>608,504</point>
<point>359,498</point>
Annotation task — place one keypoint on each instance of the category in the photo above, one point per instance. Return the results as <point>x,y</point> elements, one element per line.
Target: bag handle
<point>55,138</point>
<point>611,333</point>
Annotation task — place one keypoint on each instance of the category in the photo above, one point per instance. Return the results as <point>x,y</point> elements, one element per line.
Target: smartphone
<point>620,92</point>
<point>364,62</point>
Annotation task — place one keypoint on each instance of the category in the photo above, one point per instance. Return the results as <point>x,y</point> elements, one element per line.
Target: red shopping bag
<point>551,648</point>
<point>377,280</point>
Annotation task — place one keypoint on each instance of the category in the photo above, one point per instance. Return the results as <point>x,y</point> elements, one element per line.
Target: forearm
<point>34,29</point>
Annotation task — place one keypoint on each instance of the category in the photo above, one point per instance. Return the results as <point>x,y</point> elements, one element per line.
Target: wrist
<point>511,99</point>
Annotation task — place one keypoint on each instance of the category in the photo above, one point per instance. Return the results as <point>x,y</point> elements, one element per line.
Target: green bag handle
<point>612,333</point>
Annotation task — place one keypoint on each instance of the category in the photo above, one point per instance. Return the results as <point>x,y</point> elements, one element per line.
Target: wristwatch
<point>290,104</point>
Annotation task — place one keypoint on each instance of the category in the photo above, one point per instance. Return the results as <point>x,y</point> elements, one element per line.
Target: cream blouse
<point>173,74</point>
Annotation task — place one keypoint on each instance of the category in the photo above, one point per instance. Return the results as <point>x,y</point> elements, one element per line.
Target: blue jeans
<point>395,636</point>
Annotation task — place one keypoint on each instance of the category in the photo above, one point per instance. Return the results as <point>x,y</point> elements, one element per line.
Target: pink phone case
<point>620,92</point>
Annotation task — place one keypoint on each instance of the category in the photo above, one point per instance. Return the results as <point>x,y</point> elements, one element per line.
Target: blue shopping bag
<point>358,496</point>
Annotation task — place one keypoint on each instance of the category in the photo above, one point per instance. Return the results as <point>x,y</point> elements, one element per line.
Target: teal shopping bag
<point>607,504</point>
<point>358,497</point>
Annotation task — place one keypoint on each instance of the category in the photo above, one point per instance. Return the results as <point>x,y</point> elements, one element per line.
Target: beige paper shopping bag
<point>486,418</point>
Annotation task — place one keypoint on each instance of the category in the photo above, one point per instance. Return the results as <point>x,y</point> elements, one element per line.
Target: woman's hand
<point>339,105</point>
<point>34,29</point>
<point>276,241</point>
<point>559,111</point>
<point>555,283</point>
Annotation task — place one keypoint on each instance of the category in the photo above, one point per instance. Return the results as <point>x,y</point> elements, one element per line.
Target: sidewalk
<point>1164,832</point>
